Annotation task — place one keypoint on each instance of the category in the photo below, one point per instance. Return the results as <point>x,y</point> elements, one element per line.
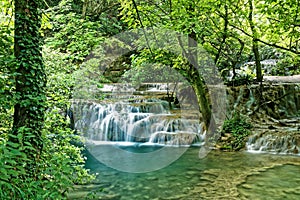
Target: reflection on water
<point>220,175</point>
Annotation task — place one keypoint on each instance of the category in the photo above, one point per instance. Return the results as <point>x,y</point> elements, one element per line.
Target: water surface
<point>220,175</point>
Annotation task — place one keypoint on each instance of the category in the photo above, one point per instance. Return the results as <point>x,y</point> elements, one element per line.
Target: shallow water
<point>220,175</point>
<point>281,182</point>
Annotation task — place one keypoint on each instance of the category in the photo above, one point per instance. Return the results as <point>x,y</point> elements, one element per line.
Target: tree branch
<point>266,43</point>
<point>140,20</point>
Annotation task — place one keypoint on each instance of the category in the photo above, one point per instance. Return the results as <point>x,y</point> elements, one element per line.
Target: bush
<point>239,129</point>
<point>288,64</point>
<point>60,166</point>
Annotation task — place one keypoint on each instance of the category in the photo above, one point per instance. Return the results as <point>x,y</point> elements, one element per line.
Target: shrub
<point>60,166</point>
<point>239,129</point>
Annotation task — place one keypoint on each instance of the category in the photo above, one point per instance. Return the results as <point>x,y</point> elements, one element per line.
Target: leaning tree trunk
<point>197,82</point>
<point>30,79</point>
<point>192,73</point>
<point>202,98</point>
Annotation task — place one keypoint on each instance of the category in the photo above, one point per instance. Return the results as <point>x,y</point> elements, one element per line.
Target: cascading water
<point>287,143</point>
<point>274,114</point>
<point>146,120</point>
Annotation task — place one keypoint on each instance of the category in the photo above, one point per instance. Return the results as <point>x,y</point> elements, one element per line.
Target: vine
<point>30,79</point>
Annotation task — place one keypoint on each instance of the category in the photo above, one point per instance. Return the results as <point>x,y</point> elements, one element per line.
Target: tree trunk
<point>196,80</point>
<point>84,8</point>
<point>202,98</point>
<point>259,76</point>
<point>192,74</point>
<point>30,78</point>
<point>255,43</point>
<point>224,34</point>
<point>195,77</point>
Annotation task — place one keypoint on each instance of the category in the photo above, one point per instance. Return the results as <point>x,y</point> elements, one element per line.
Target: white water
<point>147,121</point>
<point>274,143</point>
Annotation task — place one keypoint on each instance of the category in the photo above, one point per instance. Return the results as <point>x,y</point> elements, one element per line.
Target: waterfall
<point>143,121</point>
<point>275,142</point>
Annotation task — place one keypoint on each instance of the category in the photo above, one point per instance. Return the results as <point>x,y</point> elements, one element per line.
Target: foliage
<point>6,102</point>
<point>89,79</point>
<point>38,160</point>
<point>59,167</point>
<point>30,82</point>
<point>240,79</point>
<point>76,42</point>
<point>280,23</point>
<point>268,52</point>
<point>59,73</point>
<point>288,64</point>
<point>61,164</point>
<point>154,66</point>
<point>239,128</point>
<point>224,28</point>
<point>7,82</point>
<point>106,13</point>
<point>52,171</point>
